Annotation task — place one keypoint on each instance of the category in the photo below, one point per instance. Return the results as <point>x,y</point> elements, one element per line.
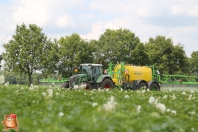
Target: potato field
<point>54,109</point>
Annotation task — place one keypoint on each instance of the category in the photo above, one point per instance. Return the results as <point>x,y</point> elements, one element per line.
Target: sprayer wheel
<point>154,87</point>
<point>142,85</point>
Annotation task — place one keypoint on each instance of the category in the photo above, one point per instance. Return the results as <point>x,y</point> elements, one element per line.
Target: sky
<point>176,19</point>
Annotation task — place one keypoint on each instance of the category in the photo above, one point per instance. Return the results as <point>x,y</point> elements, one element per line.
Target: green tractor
<point>91,76</point>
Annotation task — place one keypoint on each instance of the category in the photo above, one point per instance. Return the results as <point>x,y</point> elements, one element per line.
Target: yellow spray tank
<point>132,73</point>
<point>133,77</point>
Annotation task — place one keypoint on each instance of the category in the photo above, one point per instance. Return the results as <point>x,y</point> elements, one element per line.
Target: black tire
<point>154,87</point>
<point>107,83</point>
<point>65,85</point>
<point>88,86</point>
<point>142,85</point>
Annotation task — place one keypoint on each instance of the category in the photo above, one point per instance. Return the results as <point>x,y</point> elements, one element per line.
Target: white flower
<point>94,104</point>
<point>50,92</point>
<point>151,100</point>
<point>121,89</point>
<point>138,108</point>
<point>61,114</point>
<point>44,93</point>
<point>173,97</point>
<point>161,107</point>
<point>85,93</point>
<point>183,93</point>
<point>2,79</point>
<point>126,96</point>
<point>138,91</point>
<point>190,97</point>
<point>143,91</point>
<point>7,84</point>
<point>110,105</point>
<point>173,111</point>
<point>192,112</point>
<point>168,110</point>
<point>57,93</point>
<point>165,96</point>
<point>191,91</point>
<point>107,90</point>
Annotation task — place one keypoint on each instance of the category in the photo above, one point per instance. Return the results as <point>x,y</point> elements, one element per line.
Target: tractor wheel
<point>107,83</point>
<point>65,85</point>
<point>154,87</point>
<point>142,85</point>
<point>88,86</point>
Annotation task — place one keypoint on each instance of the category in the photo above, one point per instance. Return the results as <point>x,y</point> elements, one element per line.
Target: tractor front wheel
<point>107,83</point>
<point>65,85</point>
<point>88,86</point>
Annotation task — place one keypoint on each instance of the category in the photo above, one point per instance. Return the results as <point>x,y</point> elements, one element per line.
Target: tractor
<point>92,76</point>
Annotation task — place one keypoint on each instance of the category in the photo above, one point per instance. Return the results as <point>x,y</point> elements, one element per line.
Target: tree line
<point>30,52</point>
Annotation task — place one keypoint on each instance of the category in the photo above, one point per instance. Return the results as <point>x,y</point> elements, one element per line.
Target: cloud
<point>65,21</point>
<point>90,18</point>
<point>30,13</point>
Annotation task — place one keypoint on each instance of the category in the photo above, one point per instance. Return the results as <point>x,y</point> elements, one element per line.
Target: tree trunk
<point>29,79</point>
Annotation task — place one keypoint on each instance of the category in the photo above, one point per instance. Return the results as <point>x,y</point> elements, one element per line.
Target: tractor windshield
<point>85,69</point>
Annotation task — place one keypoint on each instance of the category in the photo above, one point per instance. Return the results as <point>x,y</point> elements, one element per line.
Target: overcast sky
<point>177,19</point>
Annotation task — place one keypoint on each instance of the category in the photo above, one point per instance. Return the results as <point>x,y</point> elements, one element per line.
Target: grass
<point>50,108</point>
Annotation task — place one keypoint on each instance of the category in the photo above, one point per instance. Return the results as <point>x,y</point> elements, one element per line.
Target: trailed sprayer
<point>134,77</point>
<point>92,76</point>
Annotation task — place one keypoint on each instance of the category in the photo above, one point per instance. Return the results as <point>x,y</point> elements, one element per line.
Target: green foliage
<point>167,57</point>
<point>27,51</point>
<point>117,46</point>
<point>72,52</point>
<point>42,109</point>
<point>0,61</point>
<point>194,62</point>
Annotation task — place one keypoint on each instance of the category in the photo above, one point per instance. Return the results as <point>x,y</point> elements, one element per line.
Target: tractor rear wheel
<point>107,83</point>
<point>154,87</point>
<point>88,86</point>
<point>142,85</point>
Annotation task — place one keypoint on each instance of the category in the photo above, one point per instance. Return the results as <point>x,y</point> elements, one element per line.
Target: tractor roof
<point>90,64</point>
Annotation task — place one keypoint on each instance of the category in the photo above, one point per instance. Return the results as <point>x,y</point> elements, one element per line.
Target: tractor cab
<point>93,71</point>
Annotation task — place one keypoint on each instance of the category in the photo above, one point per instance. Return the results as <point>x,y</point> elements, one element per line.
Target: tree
<point>0,60</point>
<point>50,58</point>
<point>194,62</point>
<point>72,52</point>
<point>26,51</point>
<point>139,55</point>
<point>165,56</point>
<point>116,46</point>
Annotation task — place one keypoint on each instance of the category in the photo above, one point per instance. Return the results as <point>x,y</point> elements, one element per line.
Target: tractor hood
<point>73,80</point>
